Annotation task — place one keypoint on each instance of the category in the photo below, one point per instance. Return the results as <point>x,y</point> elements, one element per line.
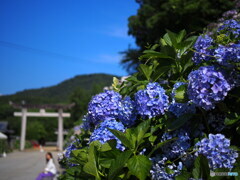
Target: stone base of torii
<point>42,113</point>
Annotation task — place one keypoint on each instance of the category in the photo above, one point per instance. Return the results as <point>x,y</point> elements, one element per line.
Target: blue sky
<point>44,42</point>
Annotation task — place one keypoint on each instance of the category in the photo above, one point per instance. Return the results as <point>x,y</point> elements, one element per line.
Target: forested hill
<point>61,92</point>
<point>78,90</point>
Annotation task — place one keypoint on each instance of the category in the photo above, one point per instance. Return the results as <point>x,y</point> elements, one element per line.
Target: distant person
<point>50,169</point>
<point>41,141</point>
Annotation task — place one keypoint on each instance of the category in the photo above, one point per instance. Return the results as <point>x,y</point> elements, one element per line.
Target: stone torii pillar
<point>24,114</point>
<point>23,129</point>
<point>60,129</point>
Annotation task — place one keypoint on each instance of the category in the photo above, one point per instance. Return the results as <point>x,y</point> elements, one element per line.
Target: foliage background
<point>154,17</point>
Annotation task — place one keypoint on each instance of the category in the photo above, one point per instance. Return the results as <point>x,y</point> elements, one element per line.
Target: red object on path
<point>35,144</point>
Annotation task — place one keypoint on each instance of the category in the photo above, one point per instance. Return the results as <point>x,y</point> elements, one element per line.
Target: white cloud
<point>120,32</point>
<point>109,58</point>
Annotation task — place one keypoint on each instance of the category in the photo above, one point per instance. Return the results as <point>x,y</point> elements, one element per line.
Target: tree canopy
<point>154,17</point>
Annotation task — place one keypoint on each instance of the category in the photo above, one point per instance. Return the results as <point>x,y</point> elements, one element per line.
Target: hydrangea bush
<point>177,118</point>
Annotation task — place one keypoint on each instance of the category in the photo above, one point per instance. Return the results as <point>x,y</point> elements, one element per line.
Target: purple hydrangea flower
<point>127,114</point>
<point>217,150</point>
<point>203,51</point>
<point>230,13</point>
<point>225,55</point>
<point>102,134</point>
<point>151,101</point>
<point>207,86</point>
<point>230,27</point>
<point>104,105</point>
<point>110,105</point>
<point>158,171</point>
<point>67,152</point>
<point>178,147</point>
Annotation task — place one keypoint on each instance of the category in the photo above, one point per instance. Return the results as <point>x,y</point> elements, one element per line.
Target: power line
<point>37,51</point>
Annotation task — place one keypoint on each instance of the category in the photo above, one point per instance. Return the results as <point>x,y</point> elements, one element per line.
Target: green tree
<point>80,97</point>
<point>154,17</point>
<point>35,130</point>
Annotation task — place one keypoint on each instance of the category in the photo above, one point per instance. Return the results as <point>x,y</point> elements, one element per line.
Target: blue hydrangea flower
<point>158,171</point>
<point>86,123</point>
<point>102,134</point>
<point>179,109</point>
<point>233,78</point>
<point>67,152</point>
<point>225,55</point>
<point>127,114</point>
<point>69,149</point>
<point>207,86</point>
<point>151,101</point>
<point>217,150</point>
<point>104,105</point>
<point>230,27</point>
<point>178,147</point>
<point>203,50</point>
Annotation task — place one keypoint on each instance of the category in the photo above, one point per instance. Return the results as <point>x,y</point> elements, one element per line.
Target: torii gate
<point>42,113</point>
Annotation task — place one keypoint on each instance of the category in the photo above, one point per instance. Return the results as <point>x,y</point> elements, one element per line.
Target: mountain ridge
<point>60,92</point>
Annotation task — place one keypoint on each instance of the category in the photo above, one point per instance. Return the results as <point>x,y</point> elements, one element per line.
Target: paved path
<point>23,165</point>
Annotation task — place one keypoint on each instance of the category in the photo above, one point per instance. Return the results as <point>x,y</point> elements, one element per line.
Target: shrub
<point>184,114</point>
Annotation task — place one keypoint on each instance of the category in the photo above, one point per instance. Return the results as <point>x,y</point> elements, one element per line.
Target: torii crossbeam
<point>42,113</point>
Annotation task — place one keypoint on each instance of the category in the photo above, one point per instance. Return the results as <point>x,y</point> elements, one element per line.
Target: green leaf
<point>141,130</point>
<point>139,166</point>
<point>146,70</point>
<point>180,36</point>
<point>187,44</point>
<point>229,122</point>
<point>163,42</point>
<point>73,170</point>
<point>80,156</point>
<point>150,54</point>
<point>133,137</point>
<point>91,166</point>
<point>183,176</point>
<point>173,38</point>
<point>181,94</point>
<point>122,137</point>
<point>109,145</point>
<point>152,139</point>
<point>187,64</point>
<point>179,121</point>
<point>167,40</point>
<point>136,135</point>
<point>115,84</point>
<point>160,72</point>
<point>118,164</point>
<point>160,145</point>
<point>201,168</point>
